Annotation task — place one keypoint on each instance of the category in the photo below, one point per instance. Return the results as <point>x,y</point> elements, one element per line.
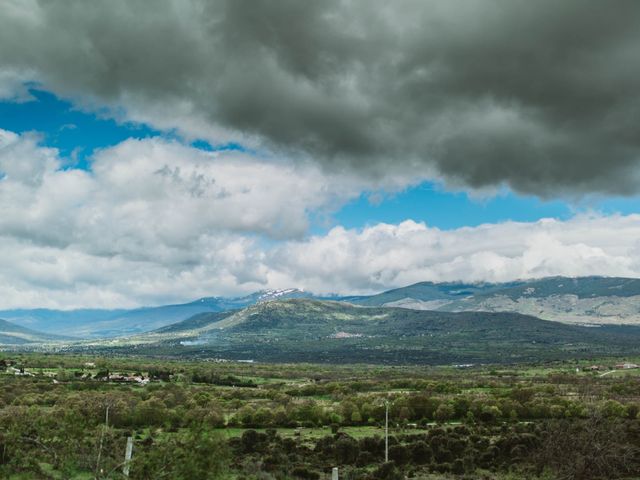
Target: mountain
<point>199,321</point>
<point>95,323</point>
<point>327,331</point>
<point>583,300</point>
<point>223,304</point>
<point>12,334</point>
<point>91,323</point>
<point>586,300</point>
<point>428,295</point>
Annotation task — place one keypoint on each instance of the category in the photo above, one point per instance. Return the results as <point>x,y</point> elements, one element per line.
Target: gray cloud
<point>543,96</point>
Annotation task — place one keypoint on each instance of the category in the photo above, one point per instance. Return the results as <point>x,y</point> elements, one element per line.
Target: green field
<point>296,421</point>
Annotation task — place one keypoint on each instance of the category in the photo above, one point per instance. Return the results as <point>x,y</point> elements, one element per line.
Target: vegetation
<point>64,416</point>
<point>582,300</point>
<point>303,330</point>
<point>15,334</point>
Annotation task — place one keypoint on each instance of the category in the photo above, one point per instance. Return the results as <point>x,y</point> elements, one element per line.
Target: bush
<point>596,448</point>
<point>305,473</point>
<point>196,454</point>
<point>387,471</point>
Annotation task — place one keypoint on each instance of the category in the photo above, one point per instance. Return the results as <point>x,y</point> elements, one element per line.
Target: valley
<point>70,416</point>
<point>424,323</point>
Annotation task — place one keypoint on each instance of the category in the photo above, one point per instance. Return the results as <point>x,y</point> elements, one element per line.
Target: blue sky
<point>77,134</point>
<point>74,132</point>
<point>437,207</point>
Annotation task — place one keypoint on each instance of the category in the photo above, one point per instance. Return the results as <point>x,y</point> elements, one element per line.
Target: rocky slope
<point>585,300</point>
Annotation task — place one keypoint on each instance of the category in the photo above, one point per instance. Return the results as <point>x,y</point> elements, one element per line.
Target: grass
<point>620,373</point>
<point>314,433</point>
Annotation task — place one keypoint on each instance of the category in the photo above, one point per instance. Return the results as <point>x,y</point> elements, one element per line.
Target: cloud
<point>151,218</point>
<point>157,191</point>
<point>155,221</point>
<point>13,86</point>
<point>338,98</point>
<point>541,96</point>
<point>385,256</point>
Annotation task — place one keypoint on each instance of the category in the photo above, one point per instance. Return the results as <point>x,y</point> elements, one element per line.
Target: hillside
<point>312,331</point>
<point>585,300</point>
<point>96,323</point>
<point>198,321</point>
<point>588,300</point>
<point>430,295</point>
<point>12,334</point>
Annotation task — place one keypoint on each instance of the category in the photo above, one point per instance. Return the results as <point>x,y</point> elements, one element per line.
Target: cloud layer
<point>542,96</point>
<point>172,191</point>
<point>155,221</point>
<point>330,99</point>
<point>384,256</point>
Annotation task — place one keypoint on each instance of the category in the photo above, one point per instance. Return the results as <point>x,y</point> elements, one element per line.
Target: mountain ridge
<point>12,334</point>
<point>579,300</point>
<point>311,330</point>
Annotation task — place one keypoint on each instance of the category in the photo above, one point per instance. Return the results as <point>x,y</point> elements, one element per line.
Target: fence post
<point>127,456</point>
<point>334,473</point>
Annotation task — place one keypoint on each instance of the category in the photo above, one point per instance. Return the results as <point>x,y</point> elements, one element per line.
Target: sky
<point>215,148</point>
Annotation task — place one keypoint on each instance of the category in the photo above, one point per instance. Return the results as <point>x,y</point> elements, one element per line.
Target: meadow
<point>69,417</point>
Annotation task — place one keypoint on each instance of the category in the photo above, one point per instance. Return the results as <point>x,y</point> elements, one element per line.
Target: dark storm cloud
<point>542,95</point>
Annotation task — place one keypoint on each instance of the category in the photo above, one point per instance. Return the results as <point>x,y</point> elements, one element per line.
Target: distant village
<point>618,366</point>
<point>92,372</point>
<point>11,367</point>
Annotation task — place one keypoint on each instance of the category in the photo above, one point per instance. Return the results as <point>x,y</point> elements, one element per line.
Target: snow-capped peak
<point>273,294</point>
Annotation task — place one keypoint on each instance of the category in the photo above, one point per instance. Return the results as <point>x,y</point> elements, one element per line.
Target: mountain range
<point>312,330</point>
<point>583,300</point>
<point>422,323</point>
<point>13,334</point>
<point>97,323</point>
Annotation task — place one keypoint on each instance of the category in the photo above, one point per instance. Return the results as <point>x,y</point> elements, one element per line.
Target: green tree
<point>356,417</point>
<point>613,409</point>
<point>444,412</point>
<point>195,454</point>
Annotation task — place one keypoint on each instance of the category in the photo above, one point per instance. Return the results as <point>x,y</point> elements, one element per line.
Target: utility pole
<point>104,429</point>
<point>386,432</point>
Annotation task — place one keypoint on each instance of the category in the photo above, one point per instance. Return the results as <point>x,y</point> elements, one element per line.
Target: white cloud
<point>152,220</point>
<point>156,221</point>
<point>145,192</point>
<point>386,256</point>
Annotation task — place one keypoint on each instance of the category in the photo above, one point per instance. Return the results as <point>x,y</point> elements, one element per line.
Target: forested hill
<point>313,330</point>
<point>585,300</point>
